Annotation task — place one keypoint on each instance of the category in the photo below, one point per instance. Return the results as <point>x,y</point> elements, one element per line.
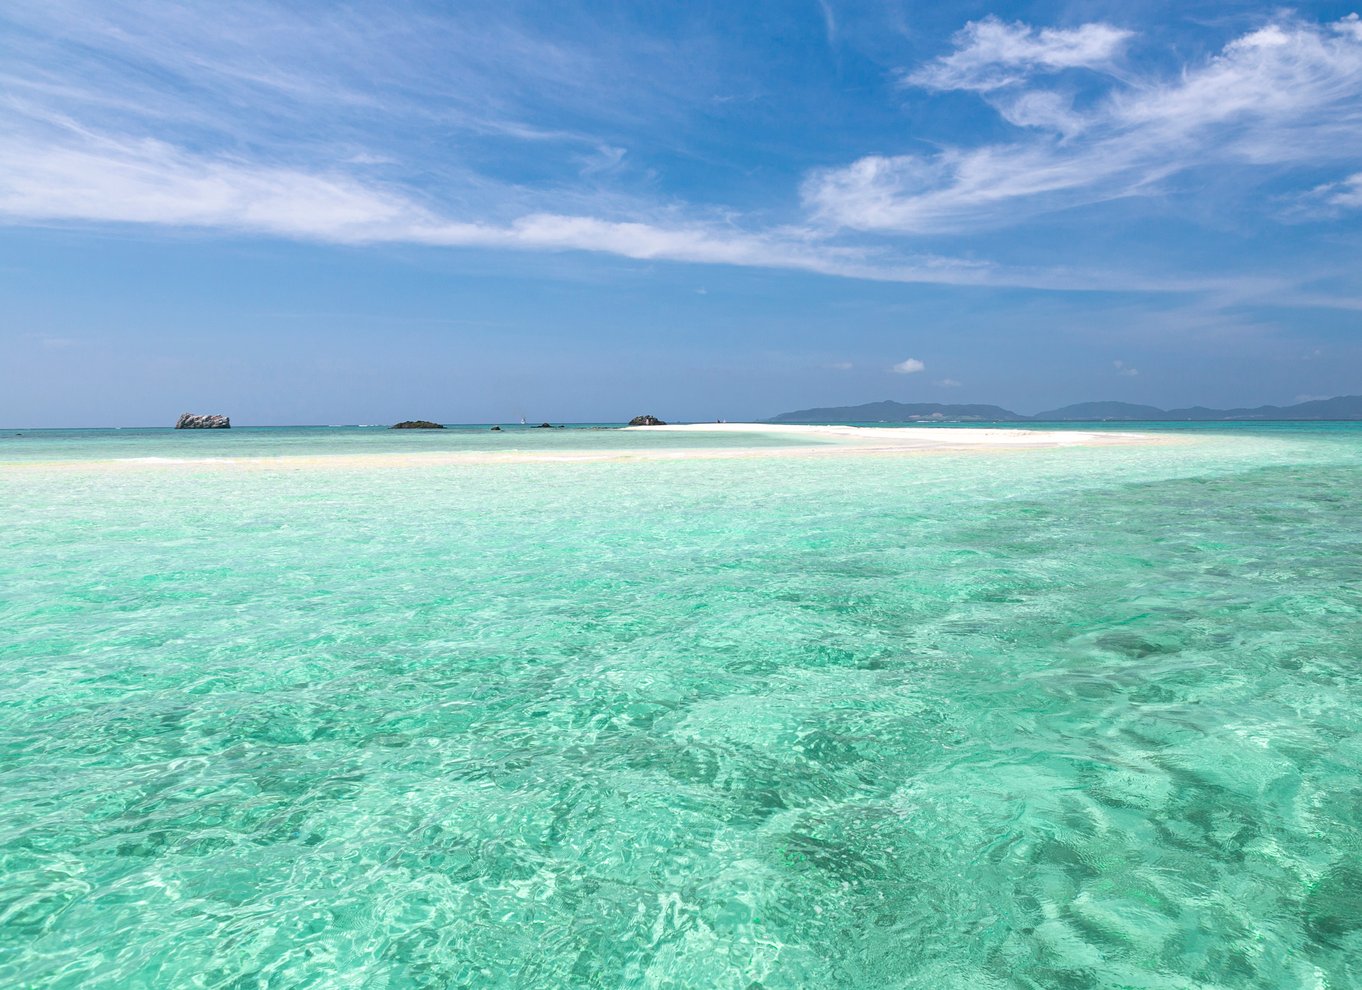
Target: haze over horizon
<point>578,213</point>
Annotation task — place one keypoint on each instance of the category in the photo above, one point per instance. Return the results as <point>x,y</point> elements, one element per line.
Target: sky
<point>583,211</point>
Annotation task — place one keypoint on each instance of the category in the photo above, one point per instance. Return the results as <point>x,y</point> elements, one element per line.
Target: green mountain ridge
<point>1342,407</point>
<point>901,412</point>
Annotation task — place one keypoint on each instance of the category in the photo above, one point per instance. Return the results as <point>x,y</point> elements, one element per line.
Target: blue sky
<point>305,213</point>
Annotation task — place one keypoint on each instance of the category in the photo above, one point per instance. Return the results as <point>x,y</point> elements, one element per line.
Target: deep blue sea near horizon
<point>288,708</point>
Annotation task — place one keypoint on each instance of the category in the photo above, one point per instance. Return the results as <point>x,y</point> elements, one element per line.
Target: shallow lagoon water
<point>1087,717</point>
<point>30,446</point>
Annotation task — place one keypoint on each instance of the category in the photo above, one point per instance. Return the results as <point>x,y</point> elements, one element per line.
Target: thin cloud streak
<point>258,136</point>
<point>1288,94</point>
<point>91,178</point>
<point>1346,195</point>
<point>991,54</point>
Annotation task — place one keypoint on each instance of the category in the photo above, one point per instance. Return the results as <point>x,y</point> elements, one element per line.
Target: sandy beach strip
<point>913,438</point>
<point>823,441</point>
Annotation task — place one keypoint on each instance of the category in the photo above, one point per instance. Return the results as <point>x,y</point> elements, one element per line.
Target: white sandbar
<point>891,438</point>
<point>823,441</point>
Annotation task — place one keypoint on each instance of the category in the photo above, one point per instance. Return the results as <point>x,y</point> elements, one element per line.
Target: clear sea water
<point>1079,718</point>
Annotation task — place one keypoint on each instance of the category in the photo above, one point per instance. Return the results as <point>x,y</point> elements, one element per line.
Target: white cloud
<point>910,366</point>
<point>54,171</point>
<point>949,383</point>
<point>52,343</point>
<point>991,54</point>
<point>841,366</point>
<point>1124,369</point>
<point>264,120</point>
<point>1288,94</point>
<point>829,22</point>
<point>256,66</point>
<point>603,160</point>
<point>1346,194</point>
<point>149,181</point>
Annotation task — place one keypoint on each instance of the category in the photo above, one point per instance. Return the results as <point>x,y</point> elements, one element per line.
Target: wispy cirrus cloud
<point>481,130</point>
<point>991,54</point>
<point>50,342</point>
<point>255,70</point>
<point>1344,195</point>
<point>1287,94</point>
<point>102,179</point>
<point>265,119</point>
<point>88,177</point>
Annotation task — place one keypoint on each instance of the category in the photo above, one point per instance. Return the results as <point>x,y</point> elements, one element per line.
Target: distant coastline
<point>1339,408</point>
<point>1343,408</point>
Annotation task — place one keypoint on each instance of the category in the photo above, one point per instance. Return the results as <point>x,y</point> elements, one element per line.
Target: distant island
<point>1343,407</point>
<point>203,421</point>
<point>416,424</point>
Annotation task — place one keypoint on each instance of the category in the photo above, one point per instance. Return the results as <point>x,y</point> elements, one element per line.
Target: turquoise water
<point>134,444</point>
<point>1076,718</point>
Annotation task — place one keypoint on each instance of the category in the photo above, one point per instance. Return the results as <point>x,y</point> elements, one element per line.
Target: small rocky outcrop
<point>197,421</point>
<point>496,429</point>
<point>416,424</point>
<point>646,421</point>
<point>544,426</point>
